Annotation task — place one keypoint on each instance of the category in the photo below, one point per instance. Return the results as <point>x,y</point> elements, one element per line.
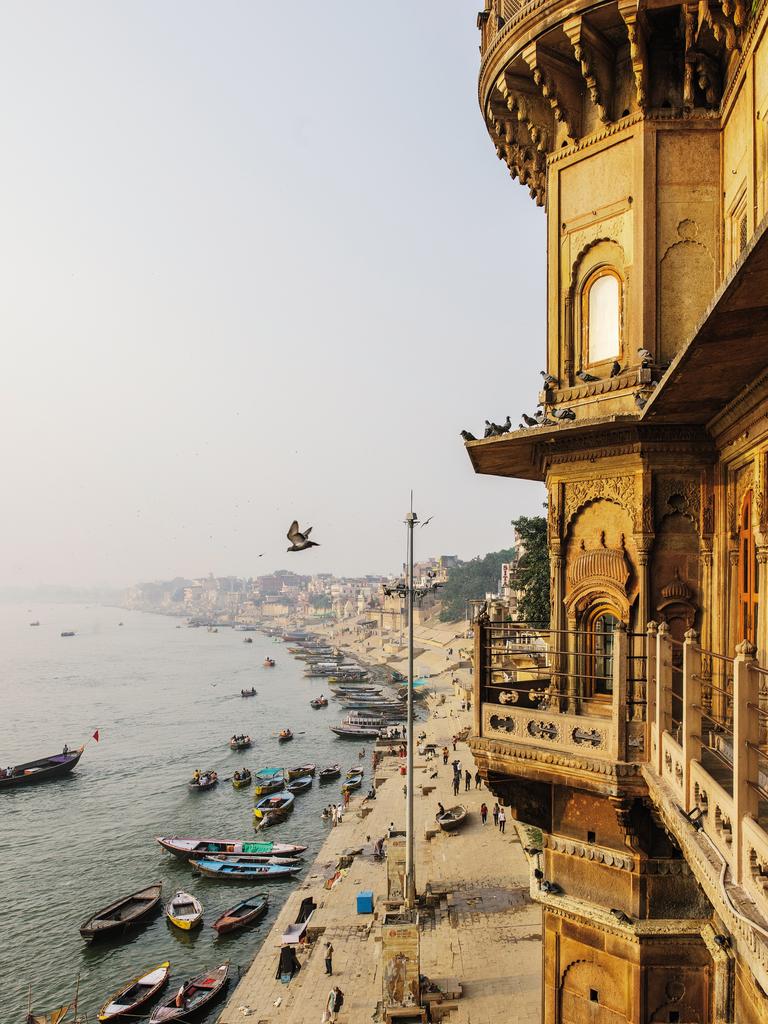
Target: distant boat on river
<point>68,632</point>
<point>42,770</point>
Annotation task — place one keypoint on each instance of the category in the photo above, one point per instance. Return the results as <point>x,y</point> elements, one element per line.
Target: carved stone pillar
<point>637,685</point>
<point>559,665</point>
<point>706,561</point>
<point>762,634</point>
<point>719,704</point>
<point>574,705</point>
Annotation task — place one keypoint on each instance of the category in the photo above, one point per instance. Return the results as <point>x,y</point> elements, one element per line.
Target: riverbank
<point>482,936</point>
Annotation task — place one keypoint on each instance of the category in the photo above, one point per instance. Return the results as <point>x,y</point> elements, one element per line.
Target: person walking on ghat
<point>456,784</point>
<point>495,814</point>
<point>478,780</point>
<point>454,742</point>
<point>467,781</point>
<point>328,958</point>
<point>502,820</point>
<point>445,755</point>
<point>483,812</point>
<point>334,815</point>
<point>335,1002</point>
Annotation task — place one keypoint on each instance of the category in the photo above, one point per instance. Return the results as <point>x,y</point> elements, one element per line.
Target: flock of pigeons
<point>541,418</point>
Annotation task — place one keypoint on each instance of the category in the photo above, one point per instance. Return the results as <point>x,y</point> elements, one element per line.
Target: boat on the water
<point>34,623</point>
<point>319,702</point>
<point>193,848</point>
<point>193,995</point>
<point>241,779</point>
<point>249,693</point>
<point>268,780</point>
<point>300,770</point>
<point>240,742</point>
<point>68,632</point>
<point>254,858</point>
<point>135,994</point>
<point>243,913</point>
<point>273,807</point>
<point>353,772</point>
<point>42,770</point>
<point>269,662</point>
<point>353,782</point>
<point>123,914</point>
<point>184,910</point>
<point>299,785</point>
<point>284,735</point>
<point>354,732</point>
<point>333,771</point>
<point>205,780</point>
<point>453,818</point>
<point>248,640</point>
<point>243,872</point>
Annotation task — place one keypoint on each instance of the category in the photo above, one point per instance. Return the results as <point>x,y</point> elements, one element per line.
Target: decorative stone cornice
<point>552,759</point>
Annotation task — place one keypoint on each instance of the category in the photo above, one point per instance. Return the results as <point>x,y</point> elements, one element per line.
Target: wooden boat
<point>355,732</point>
<point>299,785</point>
<point>248,640</point>
<point>34,623</point>
<point>244,779</point>
<point>268,780</point>
<point>319,702</point>
<point>269,662</point>
<point>240,742</point>
<point>249,693</point>
<point>243,872</point>
<point>255,858</point>
<point>207,780</point>
<point>122,914</point>
<point>193,848</point>
<point>333,771</point>
<point>284,735</point>
<point>243,913</point>
<point>353,772</point>
<point>270,806</point>
<point>42,770</point>
<point>300,771</point>
<point>453,818</point>
<point>354,783</point>
<point>136,993</point>
<point>184,910</point>
<point>68,632</point>
<point>193,996</point>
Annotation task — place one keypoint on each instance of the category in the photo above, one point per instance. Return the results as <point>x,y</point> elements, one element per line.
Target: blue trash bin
<point>365,902</point>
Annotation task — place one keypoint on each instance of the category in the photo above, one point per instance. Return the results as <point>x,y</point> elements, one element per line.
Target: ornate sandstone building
<point>629,732</point>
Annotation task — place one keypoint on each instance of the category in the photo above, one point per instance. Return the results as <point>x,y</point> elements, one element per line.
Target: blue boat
<point>246,872</point>
<point>272,809</point>
<point>268,780</point>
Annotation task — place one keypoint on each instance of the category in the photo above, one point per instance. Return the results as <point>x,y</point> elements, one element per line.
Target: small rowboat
<point>240,742</point>
<point>122,914</point>
<point>244,872</point>
<point>300,771</point>
<point>42,770</point>
<point>207,780</point>
<point>243,913</point>
<point>184,910</point>
<point>299,785</point>
<point>192,849</point>
<point>284,735</point>
<point>354,783</point>
<point>269,663</point>
<point>319,702</point>
<point>353,772</point>
<point>355,732</point>
<point>136,993</point>
<point>248,640</point>
<point>192,996</point>
<point>453,818</point>
<point>249,693</point>
<point>271,807</point>
<point>268,780</point>
<point>253,858</point>
<point>243,780</point>
<point>333,771</point>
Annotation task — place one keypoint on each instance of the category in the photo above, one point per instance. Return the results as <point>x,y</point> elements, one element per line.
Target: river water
<point>165,700</point>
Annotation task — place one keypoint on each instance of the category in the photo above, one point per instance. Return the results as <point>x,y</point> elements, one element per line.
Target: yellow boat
<point>244,780</point>
<point>184,910</point>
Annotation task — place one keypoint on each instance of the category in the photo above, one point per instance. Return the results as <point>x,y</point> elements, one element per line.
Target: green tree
<point>471,581</point>
<point>532,576</point>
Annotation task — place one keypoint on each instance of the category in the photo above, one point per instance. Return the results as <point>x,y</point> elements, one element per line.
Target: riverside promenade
<point>481,937</point>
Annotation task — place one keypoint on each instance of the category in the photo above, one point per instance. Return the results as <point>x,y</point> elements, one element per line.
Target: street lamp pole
<point>410,869</point>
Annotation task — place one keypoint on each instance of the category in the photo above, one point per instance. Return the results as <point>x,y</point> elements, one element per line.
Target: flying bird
<point>298,539</point>
<point>467,436</point>
<point>529,420</point>
<point>427,521</point>
<point>616,368</point>
<point>549,380</point>
<point>564,414</point>
<point>586,377</point>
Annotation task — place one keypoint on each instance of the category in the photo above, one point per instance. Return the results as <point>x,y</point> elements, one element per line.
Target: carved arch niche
<point>686,282</point>
<point>601,561</point>
<point>602,263</point>
<point>588,987</point>
<point>676,554</point>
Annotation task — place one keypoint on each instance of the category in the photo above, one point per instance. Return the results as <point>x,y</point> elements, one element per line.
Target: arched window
<point>599,624</point>
<point>601,316</point>
<point>748,573</point>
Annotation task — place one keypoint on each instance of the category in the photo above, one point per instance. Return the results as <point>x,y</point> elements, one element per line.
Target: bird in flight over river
<point>298,539</point>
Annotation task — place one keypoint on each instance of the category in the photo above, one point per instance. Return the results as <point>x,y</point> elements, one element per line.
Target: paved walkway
<point>485,932</point>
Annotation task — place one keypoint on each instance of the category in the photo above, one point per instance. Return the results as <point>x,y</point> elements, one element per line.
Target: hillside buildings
<point>631,735</point>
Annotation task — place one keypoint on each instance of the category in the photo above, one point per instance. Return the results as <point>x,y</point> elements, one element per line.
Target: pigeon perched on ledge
<point>529,420</point>
<point>645,357</point>
<point>563,414</point>
<point>616,368</point>
<point>549,380</point>
<point>641,399</point>
<point>587,378</point>
<point>467,436</point>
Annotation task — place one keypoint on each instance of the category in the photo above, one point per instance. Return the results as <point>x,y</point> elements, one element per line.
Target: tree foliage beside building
<point>471,581</point>
<point>532,577</point>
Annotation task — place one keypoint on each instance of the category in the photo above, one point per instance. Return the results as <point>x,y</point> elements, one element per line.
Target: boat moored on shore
<point>193,996</point>
<point>243,913</point>
<point>135,994</point>
<point>123,914</point>
<point>191,848</point>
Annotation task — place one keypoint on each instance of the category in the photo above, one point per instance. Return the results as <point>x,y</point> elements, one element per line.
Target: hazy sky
<point>257,260</point>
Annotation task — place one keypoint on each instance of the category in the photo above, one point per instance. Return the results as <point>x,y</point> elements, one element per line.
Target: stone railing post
<point>746,730</point>
<point>691,710</point>
<point>663,692</point>
<point>650,688</point>
<point>620,676</point>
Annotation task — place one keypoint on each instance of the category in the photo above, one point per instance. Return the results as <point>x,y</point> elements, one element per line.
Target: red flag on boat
<point>96,735</point>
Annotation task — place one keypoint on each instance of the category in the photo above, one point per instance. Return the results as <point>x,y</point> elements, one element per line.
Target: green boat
<point>268,780</point>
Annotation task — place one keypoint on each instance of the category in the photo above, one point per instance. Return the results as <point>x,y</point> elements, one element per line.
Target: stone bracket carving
<point>634,18</point>
<point>558,82</point>
<point>595,58</point>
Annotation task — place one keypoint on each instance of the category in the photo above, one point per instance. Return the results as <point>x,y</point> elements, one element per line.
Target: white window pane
<point>604,319</point>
